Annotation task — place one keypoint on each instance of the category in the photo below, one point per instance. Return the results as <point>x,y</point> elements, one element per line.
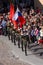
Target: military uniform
<point>25,41</point>
<point>12,34</point>
<point>18,37</point>
<point>27,36</point>
<point>14,37</point>
<point>22,40</point>
<point>8,29</point>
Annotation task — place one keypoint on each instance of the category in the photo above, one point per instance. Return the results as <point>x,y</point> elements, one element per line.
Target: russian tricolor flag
<point>18,19</point>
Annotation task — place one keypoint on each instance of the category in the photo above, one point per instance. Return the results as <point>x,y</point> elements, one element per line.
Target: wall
<point>38,3</point>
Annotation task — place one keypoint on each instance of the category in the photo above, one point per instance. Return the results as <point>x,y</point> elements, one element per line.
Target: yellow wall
<point>38,3</point>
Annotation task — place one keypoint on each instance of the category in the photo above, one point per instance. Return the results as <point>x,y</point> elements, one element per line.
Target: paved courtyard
<point>6,55</point>
<point>12,55</point>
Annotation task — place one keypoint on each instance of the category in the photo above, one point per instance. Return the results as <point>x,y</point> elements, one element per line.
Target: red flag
<point>11,11</point>
<point>22,21</point>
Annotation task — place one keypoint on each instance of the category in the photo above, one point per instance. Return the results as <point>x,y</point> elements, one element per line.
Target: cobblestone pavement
<point>37,49</point>
<point>6,57</point>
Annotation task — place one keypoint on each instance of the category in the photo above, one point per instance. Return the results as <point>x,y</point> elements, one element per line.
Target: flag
<point>15,19</point>
<point>18,18</point>
<point>11,10</point>
<point>21,19</point>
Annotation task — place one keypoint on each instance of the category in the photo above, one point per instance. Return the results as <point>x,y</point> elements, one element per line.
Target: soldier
<point>14,36</point>
<point>18,35</point>
<point>25,39</point>
<point>12,32</point>
<point>25,45</point>
<point>22,39</point>
<point>8,28</point>
<point>28,35</point>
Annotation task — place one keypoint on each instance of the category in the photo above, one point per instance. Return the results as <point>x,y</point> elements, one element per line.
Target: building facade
<point>25,2</point>
<point>29,3</point>
<point>33,3</point>
<point>38,3</point>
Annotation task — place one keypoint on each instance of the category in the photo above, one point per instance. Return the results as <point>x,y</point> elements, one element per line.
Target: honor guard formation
<point>30,32</point>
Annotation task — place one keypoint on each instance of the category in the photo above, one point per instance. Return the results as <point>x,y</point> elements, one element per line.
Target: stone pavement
<point>6,55</point>
<point>12,52</point>
<point>37,49</point>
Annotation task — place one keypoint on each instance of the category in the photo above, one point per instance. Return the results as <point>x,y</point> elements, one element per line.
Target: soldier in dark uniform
<point>28,35</point>
<point>22,40</point>
<point>12,32</point>
<point>18,37</point>
<point>25,45</point>
<point>25,39</point>
<point>8,29</point>
<point>14,36</point>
